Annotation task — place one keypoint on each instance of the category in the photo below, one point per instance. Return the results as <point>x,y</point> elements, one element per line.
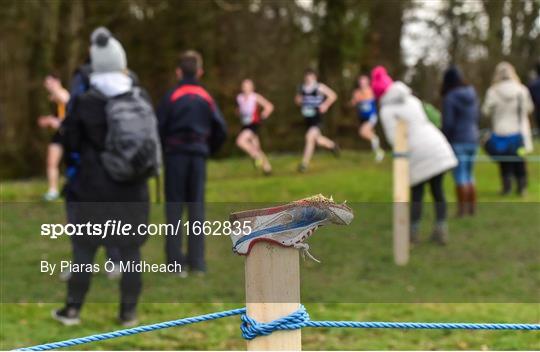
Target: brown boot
<point>471,206</point>
<point>462,193</point>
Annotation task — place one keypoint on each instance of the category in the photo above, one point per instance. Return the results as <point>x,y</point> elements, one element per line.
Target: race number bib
<point>246,119</point>
<point>308,111</point>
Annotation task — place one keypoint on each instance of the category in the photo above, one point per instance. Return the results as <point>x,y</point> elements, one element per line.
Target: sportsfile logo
<point>120,228</point>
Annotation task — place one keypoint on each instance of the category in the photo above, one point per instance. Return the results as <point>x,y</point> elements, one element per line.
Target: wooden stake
<point>272,292</point>
<point>401,194</point>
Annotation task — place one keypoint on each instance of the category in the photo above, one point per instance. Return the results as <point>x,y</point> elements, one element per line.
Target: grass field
<point>492,260</point>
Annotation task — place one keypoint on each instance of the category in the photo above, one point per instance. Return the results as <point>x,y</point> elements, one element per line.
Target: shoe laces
<point>304,251</point>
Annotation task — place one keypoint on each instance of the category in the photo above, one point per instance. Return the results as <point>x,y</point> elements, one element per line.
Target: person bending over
<point>430,154</point>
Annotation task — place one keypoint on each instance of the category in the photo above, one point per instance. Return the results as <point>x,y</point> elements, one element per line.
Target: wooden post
<point>401,194</point>
<point>272,292</point>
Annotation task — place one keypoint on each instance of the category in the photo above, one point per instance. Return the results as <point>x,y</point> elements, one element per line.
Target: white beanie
<point>106,53</point>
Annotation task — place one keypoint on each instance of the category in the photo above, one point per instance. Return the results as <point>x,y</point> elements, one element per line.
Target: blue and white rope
<point>252,328</point>
<point>484,158</point>
<point>300,319</point>
<point>136,330</point>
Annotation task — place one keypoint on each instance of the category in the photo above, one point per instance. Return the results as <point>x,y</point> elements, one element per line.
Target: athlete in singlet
<point>366,108</point>
<point>249,104</point>
<point>60,96</point>
<point>314,99</point>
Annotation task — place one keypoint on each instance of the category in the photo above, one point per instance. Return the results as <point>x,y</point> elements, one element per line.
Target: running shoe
<point>258,163</point>
<point>379,155</point>
<point>65,275</point>
<point>266,166</point>
<point>51,196</point>
<point>116,273</point>
<point>289,225</point>
<point>336,150</point>
<point>128,318</point>
<point>68,316</point>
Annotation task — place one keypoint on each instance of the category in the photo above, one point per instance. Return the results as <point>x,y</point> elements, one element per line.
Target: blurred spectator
<point>461,113</point>
<point>95,195</point>
<point>430,155</point>
<point>508,104</point>
<point>191,128</point>
<point>534,89</point>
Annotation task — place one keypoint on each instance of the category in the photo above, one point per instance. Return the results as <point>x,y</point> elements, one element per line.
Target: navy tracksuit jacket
<point>191,128</point>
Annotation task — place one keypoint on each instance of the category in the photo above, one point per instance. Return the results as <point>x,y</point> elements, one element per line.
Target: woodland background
<point>272,41</point>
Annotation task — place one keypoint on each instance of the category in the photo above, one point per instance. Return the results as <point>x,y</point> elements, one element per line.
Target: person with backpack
<point>314,99</point>
<point>191,128</point>
<point>461,113</point>
<point>508,104</point>
<point>80,83</point>
<point>113,129</point>
<point>430,154</point>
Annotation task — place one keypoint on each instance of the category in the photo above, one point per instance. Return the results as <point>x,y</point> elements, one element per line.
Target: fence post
<point>401,194</point>
<point>272,292</point>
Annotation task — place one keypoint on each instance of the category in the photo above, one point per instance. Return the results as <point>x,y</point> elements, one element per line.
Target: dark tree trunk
<point>331,37</point>
<point>40,63</point>
<point>384,35</point>
<point>495,12</point>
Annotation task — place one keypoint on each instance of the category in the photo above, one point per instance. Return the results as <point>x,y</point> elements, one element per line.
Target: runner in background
<point>315,99</point>
<point>366,108</point>
<point>60,96</point>
<point>251,117</point>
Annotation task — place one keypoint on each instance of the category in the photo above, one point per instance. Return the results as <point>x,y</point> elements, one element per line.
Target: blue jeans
<point>466,155</point>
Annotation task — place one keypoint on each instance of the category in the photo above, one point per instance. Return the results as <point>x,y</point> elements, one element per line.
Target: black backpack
<point>132,147</point>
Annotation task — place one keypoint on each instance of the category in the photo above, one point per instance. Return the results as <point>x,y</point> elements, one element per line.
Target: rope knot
<point>252,328</point>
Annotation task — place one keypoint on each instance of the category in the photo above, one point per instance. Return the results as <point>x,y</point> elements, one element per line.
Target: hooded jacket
<point>430,153</point>
<point>95,195</point>
<point>461,114</point>
<point>508,104</point>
